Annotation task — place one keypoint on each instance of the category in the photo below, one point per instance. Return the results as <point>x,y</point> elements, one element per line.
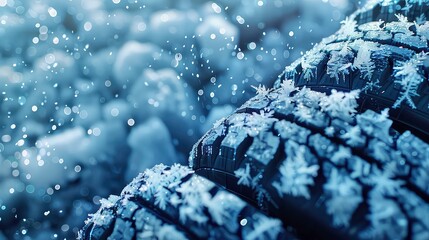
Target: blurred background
<point>93,92</point>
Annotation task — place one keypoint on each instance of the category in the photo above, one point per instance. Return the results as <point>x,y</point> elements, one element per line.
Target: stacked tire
<point>338,149</point>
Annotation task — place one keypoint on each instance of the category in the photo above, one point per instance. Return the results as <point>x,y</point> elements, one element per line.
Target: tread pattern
<point>173,203</point>
<point>320,169</point>
<point>401,36</point>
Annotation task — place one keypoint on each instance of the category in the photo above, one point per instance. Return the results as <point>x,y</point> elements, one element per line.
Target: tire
<point>326,173</point>
<point>322,152</point>
<point>173,203</point>
<point>388,44</point>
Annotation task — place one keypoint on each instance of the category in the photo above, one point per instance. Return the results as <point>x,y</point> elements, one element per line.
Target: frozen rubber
<point>173,203</point>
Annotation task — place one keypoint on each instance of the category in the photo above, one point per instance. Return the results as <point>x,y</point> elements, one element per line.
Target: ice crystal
<point>348,28</point>
<point>422,28</point>
<point>264,228</point>
<point>161,198</point>
<point>383,182</point>
<point>110,202</point>
<point>372,85</point>
<point>354,137</point>
<point>303,113</point>
<point>309,63</point>
<point>156,183</point>
<point>402,19</point>
<point>104,215</point>
<point>340,63</point>
<point>296,174</point>
<point>224,208</point>
<point>372,26</point>
<point>308,107</point>
<point>376,124</point>
<point>195,193</point>
<point>408,76</point>
<point>101,218</point>
<point>341,155</point>
<point>254,123</point>
<point>360,168</point>
<point>386,218</point>
<point>340,105</point>
<point>402,26</point>
<point>364,63</point>
<point>243,175</point>
<point>344,196</point>
<point>288,86</point>
<point>261,90</point>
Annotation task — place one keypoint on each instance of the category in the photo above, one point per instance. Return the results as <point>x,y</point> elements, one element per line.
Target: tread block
<point>411,41</point>
<point>264,148</point>
<point>122,230</point>
<point>289,130</point>
<point>127,212</point>
<point>232,150</point>
<point>210,149</point>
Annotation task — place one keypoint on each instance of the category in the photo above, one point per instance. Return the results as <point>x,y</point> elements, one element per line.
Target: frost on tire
<point>332,164</point>
<point>173,203</point>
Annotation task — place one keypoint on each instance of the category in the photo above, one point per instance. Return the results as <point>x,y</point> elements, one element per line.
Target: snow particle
<point>260,3</point>
<point>107,83</point>
<point>291,33</point>
<point>50,58</point>
<point>240,55</point>
<point>131,122</point>
<point>240,20</point>
<point>6,138</point>
<point>3,3</point>
<point>114,112</point>
<point>213,36</point>
<point>178,56</point>
<point>243,222</point>
<point>34,108</point>
<point>216,8</point>
<point>87,26</point>
<point>52,12</point>
<point>65,228</point>
<point>43,30</point>
<point>251,46</point>
<point>141,26</point>
<point>96,132</point>
<point>67,111</point>
<point>116,1</point>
